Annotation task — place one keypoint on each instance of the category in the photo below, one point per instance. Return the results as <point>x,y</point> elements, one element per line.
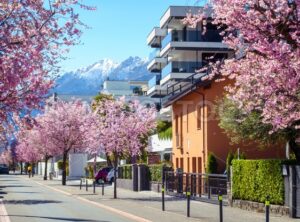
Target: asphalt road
<point>28,201</point>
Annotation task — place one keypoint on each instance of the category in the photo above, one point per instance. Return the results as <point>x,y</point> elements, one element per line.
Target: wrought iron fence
<point>204,186</point>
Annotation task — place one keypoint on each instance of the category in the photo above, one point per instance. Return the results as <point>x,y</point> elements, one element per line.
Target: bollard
<point>86,185</point>
<point>94,184</point>
<point>220,198</point>
<point>188,197</point>
<point>102,189</point>
<point>80,184</point>
<point>163,197</point>
<point>267,204</point>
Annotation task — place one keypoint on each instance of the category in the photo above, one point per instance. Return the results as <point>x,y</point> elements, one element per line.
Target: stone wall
<point>260,207</point>
<point>125,184</point>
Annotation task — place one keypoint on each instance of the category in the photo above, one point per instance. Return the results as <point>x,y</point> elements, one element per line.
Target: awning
<point>98,160</point>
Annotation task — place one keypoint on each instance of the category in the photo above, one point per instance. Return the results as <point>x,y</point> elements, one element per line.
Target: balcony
<point>155,36</point>
<point>192,39</point>
<point>191,36</point>
<point>155,89</point>
<point>154,81</point>
<point>180,70</point>
<point>154,54</point>
<point>156,62</point>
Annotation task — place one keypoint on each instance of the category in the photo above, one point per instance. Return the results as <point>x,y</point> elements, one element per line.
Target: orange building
<point>196,132</point>
<point>179,50</point>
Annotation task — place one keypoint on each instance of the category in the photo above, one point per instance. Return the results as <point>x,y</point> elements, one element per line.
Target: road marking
<point>3,213</point>
<point>111,209</point>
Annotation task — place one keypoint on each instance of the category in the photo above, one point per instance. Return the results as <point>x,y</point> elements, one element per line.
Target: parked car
<point>110,175</point>
<point>4,169</point>
<point>102,174</point>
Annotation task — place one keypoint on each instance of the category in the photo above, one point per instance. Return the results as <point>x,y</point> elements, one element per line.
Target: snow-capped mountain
<point>88,80</point>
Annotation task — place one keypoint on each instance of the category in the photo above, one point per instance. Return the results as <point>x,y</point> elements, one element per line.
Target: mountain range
<point>89,80</point>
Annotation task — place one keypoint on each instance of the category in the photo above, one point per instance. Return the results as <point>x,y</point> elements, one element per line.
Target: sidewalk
<point>147,204</point>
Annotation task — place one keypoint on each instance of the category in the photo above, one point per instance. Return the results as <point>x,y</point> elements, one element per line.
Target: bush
<point>212,165</point>
<point>231,156</point>
<point>155,171</point>
<point>91,172</point>
<point>60,166</point>
<point>125,172</point>
<point>254,180</point>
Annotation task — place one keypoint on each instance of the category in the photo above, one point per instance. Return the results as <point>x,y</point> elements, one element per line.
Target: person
<point>29,170</point>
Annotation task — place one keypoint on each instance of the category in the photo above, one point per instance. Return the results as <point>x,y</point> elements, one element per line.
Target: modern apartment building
<point>178,51</point>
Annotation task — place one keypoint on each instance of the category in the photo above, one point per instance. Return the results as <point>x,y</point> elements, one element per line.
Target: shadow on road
<point>17,186</point>
<point>57,218</point>
<point>30,202</point>
<point>21,192</point>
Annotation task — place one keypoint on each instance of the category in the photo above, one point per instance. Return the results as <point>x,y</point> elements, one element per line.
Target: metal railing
<point>192,36</point>
<point>154,81</point>
<point>204,186</point>
<point>182,67</point>
<point>154,54</point>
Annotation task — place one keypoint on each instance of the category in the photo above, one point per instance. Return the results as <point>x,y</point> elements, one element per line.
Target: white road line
<point>3,213</point>
<point>111,209</point>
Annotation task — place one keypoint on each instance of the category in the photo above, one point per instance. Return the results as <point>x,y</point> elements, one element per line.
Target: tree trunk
<point>46,168</point>
<point>21,167</point>
<point>115,175</point>
<point>108,161</point>
<point>295,148</point>
<point>32,169</point>
<point>64,170</point>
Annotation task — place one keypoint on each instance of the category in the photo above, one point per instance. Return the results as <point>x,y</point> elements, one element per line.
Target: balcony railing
<point>154,81</point>
<point>192,36</point>
<point>154,54</point>
<point>182,67</point>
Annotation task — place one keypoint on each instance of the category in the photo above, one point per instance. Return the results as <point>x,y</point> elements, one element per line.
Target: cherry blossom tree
<point>121,128</point>
<point>38,143</point>
<point>6,157</point>
<point>34,36</point>
<point>266,37</point>
<point>67,126</point>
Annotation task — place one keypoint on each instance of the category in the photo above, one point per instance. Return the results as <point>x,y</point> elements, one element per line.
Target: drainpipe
<point>204,153</point>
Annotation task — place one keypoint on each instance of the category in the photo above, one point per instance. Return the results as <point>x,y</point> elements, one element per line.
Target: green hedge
<point>156,172</point>
<point>254,180</point>
<point>126,171</point>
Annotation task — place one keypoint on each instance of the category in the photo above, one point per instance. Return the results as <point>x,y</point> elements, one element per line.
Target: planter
<point>155,186</point>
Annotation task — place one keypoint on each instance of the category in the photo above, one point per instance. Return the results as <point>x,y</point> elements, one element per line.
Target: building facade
<point>178,52</point>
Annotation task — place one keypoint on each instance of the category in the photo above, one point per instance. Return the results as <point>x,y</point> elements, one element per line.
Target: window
<point>198,117</point>
<point>177,162</point>
<point>181,163</point>
<point>181,129</point>
<point>189,112</point>
<point>187,121</point>
<point>176,124</point>
<point>199,165</point>
<point>194,162</point>
<point>178,130</point>
<point>188,164</point>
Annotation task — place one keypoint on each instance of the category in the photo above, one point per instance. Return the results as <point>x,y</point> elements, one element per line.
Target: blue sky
<point>118,30</point>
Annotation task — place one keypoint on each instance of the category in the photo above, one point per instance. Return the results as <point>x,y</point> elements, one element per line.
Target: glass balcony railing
<point>182,67</point>
<point>191,36</point>
<point>154,54</point>
<point>166,40</point>
<point>154,81</point>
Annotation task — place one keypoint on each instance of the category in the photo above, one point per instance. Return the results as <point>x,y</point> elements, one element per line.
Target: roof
<point>182,91</point>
